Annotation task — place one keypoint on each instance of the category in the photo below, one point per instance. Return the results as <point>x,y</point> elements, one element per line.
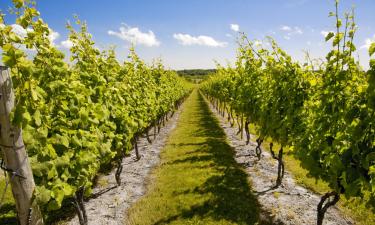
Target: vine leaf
<point>329,36</point>
<point>372,49</point>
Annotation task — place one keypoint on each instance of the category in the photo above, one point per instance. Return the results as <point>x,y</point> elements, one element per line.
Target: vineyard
<point>269,140</point>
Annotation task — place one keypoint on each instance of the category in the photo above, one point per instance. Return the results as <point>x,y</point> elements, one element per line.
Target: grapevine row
<point>77,117</point>
<point>322,110</point>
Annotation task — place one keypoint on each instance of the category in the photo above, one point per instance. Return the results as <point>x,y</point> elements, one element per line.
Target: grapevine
<point>325,116</point>
<point>81,116</point>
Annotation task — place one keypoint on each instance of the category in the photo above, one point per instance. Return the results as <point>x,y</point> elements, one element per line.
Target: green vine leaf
<point>329,36</point>
<point>371,49</point>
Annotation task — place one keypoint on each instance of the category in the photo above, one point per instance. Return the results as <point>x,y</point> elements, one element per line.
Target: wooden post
<point>15,157</point>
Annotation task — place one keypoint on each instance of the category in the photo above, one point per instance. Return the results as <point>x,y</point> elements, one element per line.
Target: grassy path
<point>198,181</point>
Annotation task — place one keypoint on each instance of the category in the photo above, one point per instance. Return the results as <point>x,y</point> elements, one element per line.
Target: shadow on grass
<point>231,197</point>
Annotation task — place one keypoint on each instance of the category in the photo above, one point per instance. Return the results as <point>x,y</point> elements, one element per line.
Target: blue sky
<point>194,33</point>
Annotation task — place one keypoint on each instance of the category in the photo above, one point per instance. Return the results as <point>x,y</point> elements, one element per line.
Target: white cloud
<point>368,42</point>
<point>291,31</point>
<point>53,36</point>
<point>235,27</point>
<point>20,31</point>
<point>285,28</point>
<point>298,30</point>
<point>67,44</point>
<point>257,43</point>
<point>324,33</point>
<point>136,36</point>
<point>187,39</point>
<point>228,35</point>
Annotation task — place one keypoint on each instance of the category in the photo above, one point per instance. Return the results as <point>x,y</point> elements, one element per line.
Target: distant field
<point>196,75</point>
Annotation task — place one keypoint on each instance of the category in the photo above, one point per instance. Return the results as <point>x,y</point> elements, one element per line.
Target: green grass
<point>7,211</point>
<point>198,181</point>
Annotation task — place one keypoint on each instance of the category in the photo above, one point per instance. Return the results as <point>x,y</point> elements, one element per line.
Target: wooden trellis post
<point>15,157</point>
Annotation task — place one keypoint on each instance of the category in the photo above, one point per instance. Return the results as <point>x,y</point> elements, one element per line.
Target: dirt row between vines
<point>288,204</point>
<point>112,202</point>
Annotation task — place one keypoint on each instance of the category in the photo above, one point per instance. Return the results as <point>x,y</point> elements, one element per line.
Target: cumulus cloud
<point>325,33</point>
<point>187,39</point>
<point>258,43</point>
<point>291,31</point>
<point>298,30</point>
<point>368,42</point>
<point>22,33</point>
<point>53,36</point>
<point>235,27</point>
<point>285,28</point>
<point>136,36</point>
<point>67,44</point>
